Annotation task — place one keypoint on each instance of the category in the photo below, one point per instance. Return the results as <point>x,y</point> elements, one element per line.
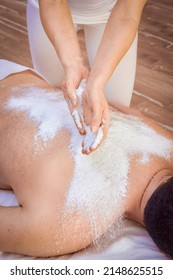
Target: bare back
<point>41,177</point>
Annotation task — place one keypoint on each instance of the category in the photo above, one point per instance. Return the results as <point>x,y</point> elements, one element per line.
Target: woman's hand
<point>96,112</point>
<point>74,73</point>
<point>88,107</point>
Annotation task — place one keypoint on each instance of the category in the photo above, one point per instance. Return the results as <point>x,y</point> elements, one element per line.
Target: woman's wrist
<point>73,62</point>
<point>95,82</point>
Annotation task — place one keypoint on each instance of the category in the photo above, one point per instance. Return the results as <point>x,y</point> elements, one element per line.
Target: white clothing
<point>8,68</point>
<point>88,11</point>
<point>119,87</point>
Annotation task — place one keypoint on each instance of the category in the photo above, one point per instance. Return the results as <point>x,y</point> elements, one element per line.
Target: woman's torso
<point>88,12</point>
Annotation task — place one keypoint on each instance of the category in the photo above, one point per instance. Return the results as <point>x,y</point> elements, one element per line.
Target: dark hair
<point>158,216</point>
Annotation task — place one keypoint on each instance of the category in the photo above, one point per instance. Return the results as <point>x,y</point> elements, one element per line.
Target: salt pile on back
<point>100,181</point>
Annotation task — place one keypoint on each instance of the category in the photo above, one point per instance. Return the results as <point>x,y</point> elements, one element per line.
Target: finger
<point>105,122</point>
<point>96,118</point>
<point>72,96</point>
<point>100,135</point>
<point>87,116</point>
<point>70,106</point>
<point>98,140</point>
<point>92,141</point>
<point>85,74</point>
<point>87,113</point>
<point>66,96</point>
<point>84,152</point>
<point>78,121</point>
<point>75,115</point>
<point>88,140</point>
<point>94,144</point>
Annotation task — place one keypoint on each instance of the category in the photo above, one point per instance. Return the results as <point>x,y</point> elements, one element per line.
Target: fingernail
<point>83,132</point>
<point>94,129</point>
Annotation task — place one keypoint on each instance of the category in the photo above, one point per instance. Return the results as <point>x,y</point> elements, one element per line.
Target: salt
<point>43,108</point>
<point>98,138</point>
<point>77,118</point>
<point>91,140</point>
<point>100,180</point>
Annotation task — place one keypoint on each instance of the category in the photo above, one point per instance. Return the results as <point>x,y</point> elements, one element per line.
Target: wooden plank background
<point>153,90</point>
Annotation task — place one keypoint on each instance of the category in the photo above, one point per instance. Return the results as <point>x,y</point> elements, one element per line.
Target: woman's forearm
<point>119,34</point>
<point>59,27</point>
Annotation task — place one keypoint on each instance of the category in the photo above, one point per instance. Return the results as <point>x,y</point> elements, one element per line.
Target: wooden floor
<point>153,91</point>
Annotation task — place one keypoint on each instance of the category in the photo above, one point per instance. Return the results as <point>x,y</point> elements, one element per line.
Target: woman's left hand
<point>95,111</point>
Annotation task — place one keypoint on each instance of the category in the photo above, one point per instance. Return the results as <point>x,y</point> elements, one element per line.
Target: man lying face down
<point>67,200</point>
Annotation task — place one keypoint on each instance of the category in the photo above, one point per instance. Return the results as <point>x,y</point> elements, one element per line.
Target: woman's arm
<point>58,25</point>
<point>118,36</point>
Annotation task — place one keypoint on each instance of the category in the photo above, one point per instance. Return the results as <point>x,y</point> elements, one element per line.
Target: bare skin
<point>119,34</point>
<point>37,226</point>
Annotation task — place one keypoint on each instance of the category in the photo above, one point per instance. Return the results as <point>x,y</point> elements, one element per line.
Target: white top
<point>8,68</point>
<point>88,11</point>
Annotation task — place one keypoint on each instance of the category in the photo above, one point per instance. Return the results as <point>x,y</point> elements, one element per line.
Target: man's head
<point>158,216</point>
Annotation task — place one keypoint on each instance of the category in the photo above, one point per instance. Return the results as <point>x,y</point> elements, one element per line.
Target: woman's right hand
<point>74,73</point>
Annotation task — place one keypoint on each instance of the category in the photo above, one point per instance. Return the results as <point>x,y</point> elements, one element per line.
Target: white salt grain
<point>46,109</point>
<point>91,140</point>
<point>98,138</point>
<point>77,118</point>
<point>100,181</point>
